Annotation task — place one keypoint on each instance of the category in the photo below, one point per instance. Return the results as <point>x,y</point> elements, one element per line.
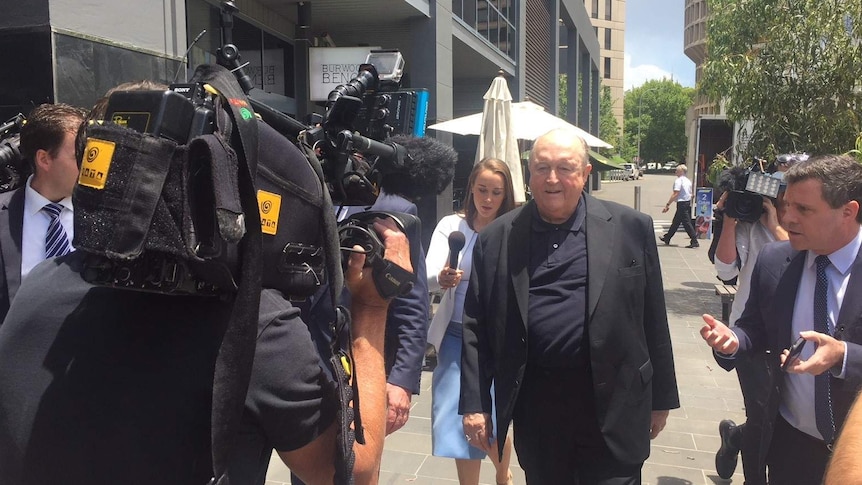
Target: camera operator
<point>36,218</point>
<point>737,250</point>
<point>100,384</point>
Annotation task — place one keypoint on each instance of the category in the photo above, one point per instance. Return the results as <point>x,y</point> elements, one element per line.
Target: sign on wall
<point>328,67</point>
<point>270,75</point>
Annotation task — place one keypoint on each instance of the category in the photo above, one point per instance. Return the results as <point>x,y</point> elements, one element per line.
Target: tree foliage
<point>656,111</point>
<point>790,69</point>
<point>609,128</point>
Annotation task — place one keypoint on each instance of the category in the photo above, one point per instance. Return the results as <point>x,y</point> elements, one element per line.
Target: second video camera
<point>746,188</point>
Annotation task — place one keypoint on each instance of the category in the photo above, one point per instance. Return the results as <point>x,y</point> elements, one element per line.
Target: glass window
<point>607,67</point>
<point>595,12</point>
<point>608,9</point>
<point>608,39</point>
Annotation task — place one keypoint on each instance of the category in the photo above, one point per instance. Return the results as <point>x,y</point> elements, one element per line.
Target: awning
<point>601,163</point>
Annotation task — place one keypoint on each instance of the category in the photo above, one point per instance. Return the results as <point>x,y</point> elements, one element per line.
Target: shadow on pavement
<point>672,481</point>
<point>693,301</point>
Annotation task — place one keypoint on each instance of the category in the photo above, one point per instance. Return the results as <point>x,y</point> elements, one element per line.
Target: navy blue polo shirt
<point>558,291</point>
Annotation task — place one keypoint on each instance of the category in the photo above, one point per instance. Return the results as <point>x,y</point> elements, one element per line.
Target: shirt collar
<point>843,258</point>
<point>34,201</point>
<point>573,224</point>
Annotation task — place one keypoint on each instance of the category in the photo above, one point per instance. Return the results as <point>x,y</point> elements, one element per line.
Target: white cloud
<point>634,76</point>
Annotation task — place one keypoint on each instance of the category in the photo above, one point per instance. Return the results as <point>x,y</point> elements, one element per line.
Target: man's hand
<point>658,420</point>
<point>398,407</point>
<point>719,336</point>
<point>666,208</point>
<point>359,280</point>
<point>478,431</point>
<point>829,353</point>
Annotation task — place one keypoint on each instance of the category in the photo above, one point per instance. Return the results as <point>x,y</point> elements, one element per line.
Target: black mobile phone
<point>795,350</point>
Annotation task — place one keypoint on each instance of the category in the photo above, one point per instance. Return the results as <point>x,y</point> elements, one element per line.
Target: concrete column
<point>431,68</point>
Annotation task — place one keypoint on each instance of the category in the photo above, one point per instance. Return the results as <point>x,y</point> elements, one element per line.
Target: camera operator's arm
<point>313,463</point>
<point>725,252</point>
<point>770,220</point>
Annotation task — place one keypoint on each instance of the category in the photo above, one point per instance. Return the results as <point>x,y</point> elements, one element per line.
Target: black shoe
<point>665,240</point>
<point>693,245</point>
<point>725,459</point>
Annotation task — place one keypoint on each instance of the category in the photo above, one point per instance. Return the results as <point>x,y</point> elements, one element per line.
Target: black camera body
<point>181,113</point>
<point>13,170</point>
<point>746,189</point>
<point>371,106</point>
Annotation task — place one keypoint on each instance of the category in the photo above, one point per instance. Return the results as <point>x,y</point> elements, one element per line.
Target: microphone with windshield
<point>456,243</point>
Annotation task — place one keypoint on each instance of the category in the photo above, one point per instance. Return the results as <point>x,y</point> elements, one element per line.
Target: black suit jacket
<point>630,349</point>
<point>765,327</point>
<point>11,227</point>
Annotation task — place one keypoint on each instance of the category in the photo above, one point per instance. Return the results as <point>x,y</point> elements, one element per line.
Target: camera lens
<point>744,206</point>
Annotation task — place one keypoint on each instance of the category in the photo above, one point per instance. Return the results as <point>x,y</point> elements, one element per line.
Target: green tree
<point>790,69</point>
<point>609,129</point>
<point>655,111</point>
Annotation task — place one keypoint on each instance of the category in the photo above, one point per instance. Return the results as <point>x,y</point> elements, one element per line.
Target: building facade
<point>707,128</point>
<point>75,51</point>
<point>608,18</point>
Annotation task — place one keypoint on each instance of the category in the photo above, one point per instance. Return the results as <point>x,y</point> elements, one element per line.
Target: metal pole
<point>637,198</point>
<point>640,98</point>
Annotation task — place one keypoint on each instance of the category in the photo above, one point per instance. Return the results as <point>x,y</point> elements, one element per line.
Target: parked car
<point>631,171</point>
<point>670,166</point>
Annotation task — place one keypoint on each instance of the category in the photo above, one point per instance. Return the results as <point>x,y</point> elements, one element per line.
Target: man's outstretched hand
<point>719,336</point>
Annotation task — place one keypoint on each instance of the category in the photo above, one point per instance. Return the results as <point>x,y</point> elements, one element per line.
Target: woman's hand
<point>449,278</point>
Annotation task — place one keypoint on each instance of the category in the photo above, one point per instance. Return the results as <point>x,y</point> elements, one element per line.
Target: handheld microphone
<point>186,55</point>
<point>456,243</point>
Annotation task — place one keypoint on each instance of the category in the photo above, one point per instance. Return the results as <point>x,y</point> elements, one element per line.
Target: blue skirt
<point>447,428</point>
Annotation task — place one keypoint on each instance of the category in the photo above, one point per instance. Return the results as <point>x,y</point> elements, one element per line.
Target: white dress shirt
<point>797,400</point>
<point>35,227</point>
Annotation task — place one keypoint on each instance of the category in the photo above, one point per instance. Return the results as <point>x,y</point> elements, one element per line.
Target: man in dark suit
<point>565,313</point>
<point>806,287</point>
<point>48,145</point>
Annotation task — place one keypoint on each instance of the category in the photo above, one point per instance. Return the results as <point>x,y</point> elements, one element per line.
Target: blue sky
<point>654,40</point>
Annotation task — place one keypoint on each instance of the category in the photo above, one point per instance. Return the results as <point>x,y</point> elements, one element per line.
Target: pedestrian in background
<point>682,196</point>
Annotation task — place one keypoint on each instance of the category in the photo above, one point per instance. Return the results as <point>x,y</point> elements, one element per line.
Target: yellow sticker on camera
<point>269,205</point>
<point>96,163</point>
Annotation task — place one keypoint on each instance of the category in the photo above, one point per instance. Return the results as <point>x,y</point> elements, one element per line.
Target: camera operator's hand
<point>359,279</point>
<point>719,205</point>
<point>771,221</point>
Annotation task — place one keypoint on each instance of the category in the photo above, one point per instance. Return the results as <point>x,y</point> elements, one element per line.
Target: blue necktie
<point>56,241</point>
<point>822,391</point>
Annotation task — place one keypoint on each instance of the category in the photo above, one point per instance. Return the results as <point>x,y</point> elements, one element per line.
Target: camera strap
<point>236,355</point>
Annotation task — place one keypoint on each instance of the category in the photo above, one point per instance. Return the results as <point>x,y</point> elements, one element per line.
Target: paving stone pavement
<point>684,453</point>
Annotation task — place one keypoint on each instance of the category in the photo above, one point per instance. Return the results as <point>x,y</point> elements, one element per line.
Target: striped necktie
<point>56,241</point>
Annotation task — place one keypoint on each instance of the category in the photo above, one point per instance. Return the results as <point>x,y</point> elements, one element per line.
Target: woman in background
<point>490,195</point>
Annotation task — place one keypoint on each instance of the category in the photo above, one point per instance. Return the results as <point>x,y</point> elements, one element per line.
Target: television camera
<point>746,187</point>
<point>13,170</point>
<point>352,140</point>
